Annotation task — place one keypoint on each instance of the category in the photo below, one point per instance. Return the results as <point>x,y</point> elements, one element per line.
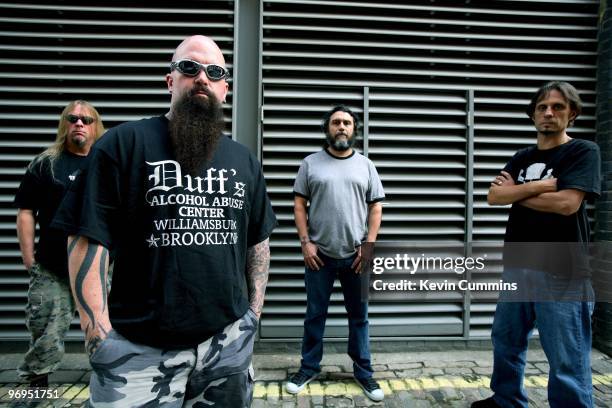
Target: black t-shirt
<point>576,165</point>
<point>41,191</point>
<point>179,241</point>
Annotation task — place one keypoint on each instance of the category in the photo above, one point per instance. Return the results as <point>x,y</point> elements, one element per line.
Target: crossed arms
<point>88,268</point>
<point>540,195</point>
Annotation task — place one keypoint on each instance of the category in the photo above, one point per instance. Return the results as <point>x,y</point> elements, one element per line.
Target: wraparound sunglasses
<point>192,68</point>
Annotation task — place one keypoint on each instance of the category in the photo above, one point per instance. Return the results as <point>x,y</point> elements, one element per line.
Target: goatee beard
<point>196,125</point>
<point>78,142</point>
<point>340,145</point>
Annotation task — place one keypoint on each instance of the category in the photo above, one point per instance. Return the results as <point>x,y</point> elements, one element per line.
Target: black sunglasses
<point>192,68</point>
<point>87,120</point>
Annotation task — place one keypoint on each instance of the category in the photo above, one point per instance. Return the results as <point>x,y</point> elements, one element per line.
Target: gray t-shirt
<point>339,191</point>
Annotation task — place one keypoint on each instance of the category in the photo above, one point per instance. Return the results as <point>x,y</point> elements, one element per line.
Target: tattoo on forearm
<point>92,344</point>
<point>258,269</point>
<point>80,279</point>
<point>71,246</point>
<point>91,298</point>
<point>103,276</point>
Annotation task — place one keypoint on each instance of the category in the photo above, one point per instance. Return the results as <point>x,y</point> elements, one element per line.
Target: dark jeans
<point>319,285</point>
<point>565,334</point>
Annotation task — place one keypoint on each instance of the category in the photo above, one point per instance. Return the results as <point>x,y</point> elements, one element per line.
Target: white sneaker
<point>298,381</point>
<point>371,389</point>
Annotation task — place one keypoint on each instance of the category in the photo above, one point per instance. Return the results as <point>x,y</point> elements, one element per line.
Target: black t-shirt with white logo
<point>42,190</point>
<point>179,241</point>
<point>576,165</point>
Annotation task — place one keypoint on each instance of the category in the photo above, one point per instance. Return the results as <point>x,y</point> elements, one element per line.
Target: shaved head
<point>196,113</point>
<point>203,50</point>
<point>199,41</point>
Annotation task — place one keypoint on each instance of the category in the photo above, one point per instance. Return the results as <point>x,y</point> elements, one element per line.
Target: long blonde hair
<point>54,151</point>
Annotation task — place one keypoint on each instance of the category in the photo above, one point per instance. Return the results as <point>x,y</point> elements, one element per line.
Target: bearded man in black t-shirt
<point>185,212</point>
<point>50,308</point>
<point>547,185</point>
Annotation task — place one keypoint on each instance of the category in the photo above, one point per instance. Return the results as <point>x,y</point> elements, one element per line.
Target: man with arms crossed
<point>547,185</point>
<point>50,307</point>
<point>345,192</point>
<point>185,211</point>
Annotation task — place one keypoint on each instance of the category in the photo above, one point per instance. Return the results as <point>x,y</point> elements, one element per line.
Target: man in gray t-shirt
<point>345,192</point>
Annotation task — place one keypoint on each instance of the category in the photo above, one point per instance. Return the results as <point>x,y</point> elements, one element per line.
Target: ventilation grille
<point>409,68</point>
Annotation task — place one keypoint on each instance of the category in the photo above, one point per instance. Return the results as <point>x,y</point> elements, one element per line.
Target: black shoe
<point>298,381</point>
<point>485,403</point>
<point>40,381</point>
<point>371,388</point>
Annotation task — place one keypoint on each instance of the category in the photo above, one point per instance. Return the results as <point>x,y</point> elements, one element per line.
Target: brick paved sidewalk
<point>409,379</point>
<point>414,379</point>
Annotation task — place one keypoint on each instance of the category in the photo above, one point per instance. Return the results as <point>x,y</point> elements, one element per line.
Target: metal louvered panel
<point>410,65</point>
<point>417,140</point>
<point>114,57</point>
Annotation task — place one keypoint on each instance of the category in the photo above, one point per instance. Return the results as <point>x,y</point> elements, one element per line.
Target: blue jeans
<point>319,285</point>
<point>565,335</point>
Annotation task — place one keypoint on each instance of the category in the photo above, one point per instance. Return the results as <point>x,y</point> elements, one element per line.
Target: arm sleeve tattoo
<point>258,268</point>
<point>88,268</point>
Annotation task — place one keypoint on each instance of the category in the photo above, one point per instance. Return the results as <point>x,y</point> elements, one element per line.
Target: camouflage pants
<point>216,373</point>
<point>49,311</point>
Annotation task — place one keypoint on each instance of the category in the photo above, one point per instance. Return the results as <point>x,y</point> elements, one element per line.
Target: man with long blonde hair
<point>50,307</point>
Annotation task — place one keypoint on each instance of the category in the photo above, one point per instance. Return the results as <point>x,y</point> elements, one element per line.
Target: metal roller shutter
<point>442,87</point>
<point>54,52</point>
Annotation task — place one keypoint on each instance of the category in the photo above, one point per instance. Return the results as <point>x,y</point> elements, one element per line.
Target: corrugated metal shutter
<point>443,87</point>
<point>115,57</point>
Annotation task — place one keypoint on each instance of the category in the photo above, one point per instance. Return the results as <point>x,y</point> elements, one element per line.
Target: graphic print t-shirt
<point>179,241</point>
<point>41,191</point>
<point>576,165</point>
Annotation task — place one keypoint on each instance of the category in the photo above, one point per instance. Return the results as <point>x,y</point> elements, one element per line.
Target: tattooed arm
<point>88,268</point>
<point>258,268</point>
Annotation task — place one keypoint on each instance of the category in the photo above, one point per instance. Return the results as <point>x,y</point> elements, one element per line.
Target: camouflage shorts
<point>216,373</point>
<point>49,311</point>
